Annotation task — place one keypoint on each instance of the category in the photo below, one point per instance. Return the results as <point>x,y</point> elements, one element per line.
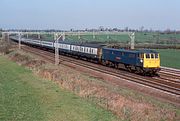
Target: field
<point>170,58</point>
<point>24,97</point>
<point>124,38</point>
<point>110,37</point>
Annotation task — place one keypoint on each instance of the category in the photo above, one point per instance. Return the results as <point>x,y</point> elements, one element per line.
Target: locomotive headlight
<point>141,60</point>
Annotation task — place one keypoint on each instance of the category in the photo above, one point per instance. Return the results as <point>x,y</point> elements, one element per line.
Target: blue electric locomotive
<point>140,61</point>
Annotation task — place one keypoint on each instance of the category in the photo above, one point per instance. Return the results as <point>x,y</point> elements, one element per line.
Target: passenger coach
<point>88,51</point>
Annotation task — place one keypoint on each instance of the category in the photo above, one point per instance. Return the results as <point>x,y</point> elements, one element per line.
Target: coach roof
<point>83,44</point>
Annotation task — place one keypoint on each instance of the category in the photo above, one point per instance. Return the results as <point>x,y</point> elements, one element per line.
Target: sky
<point>81,14</point>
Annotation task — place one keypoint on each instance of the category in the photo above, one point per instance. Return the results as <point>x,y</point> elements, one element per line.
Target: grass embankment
<point>29,98</point>
<point>127,104</point>
<point>170,58</point>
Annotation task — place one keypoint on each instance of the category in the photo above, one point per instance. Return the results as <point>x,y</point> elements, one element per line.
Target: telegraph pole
<point>79,37</point>
<point>3,36</point>
<point>56,49</point>
<point>8,37</point>
<point>39,36</point>
<point>19,35</point>
<point>27,36</point>
<point>107,35</point>
<point>132,37</point>
<point>63,36</point>
<point>93,35</point>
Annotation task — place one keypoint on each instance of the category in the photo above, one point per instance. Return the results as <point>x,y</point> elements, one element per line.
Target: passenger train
<point>146,62</point>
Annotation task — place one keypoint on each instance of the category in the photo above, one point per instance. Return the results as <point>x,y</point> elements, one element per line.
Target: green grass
<point>24,97</point>
<point>140,37</point>
<point>170,58</point>
<point>100,38</point>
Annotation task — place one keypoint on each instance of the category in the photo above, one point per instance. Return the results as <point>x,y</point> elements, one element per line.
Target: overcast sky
<point>81,14</point>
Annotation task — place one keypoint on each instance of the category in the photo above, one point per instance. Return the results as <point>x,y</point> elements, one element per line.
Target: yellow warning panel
<point>151,61</point>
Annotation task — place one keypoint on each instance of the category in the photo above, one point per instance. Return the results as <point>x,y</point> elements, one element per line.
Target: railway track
<point>160,83</point>
<point>169,73</point>
<point>164,83</point>
<point>171,70</point>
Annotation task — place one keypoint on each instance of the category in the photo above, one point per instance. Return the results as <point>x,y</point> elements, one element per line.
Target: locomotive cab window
<point>147,55</point>
<point>138,55</point>
<point>141,55</point>
<point>152,55</point>
<point>156,55</point>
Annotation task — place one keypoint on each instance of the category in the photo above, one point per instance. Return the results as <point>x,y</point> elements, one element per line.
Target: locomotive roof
<point>133,51</point>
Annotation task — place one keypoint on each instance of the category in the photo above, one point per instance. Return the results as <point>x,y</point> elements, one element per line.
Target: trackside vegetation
<point>25,97</point>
